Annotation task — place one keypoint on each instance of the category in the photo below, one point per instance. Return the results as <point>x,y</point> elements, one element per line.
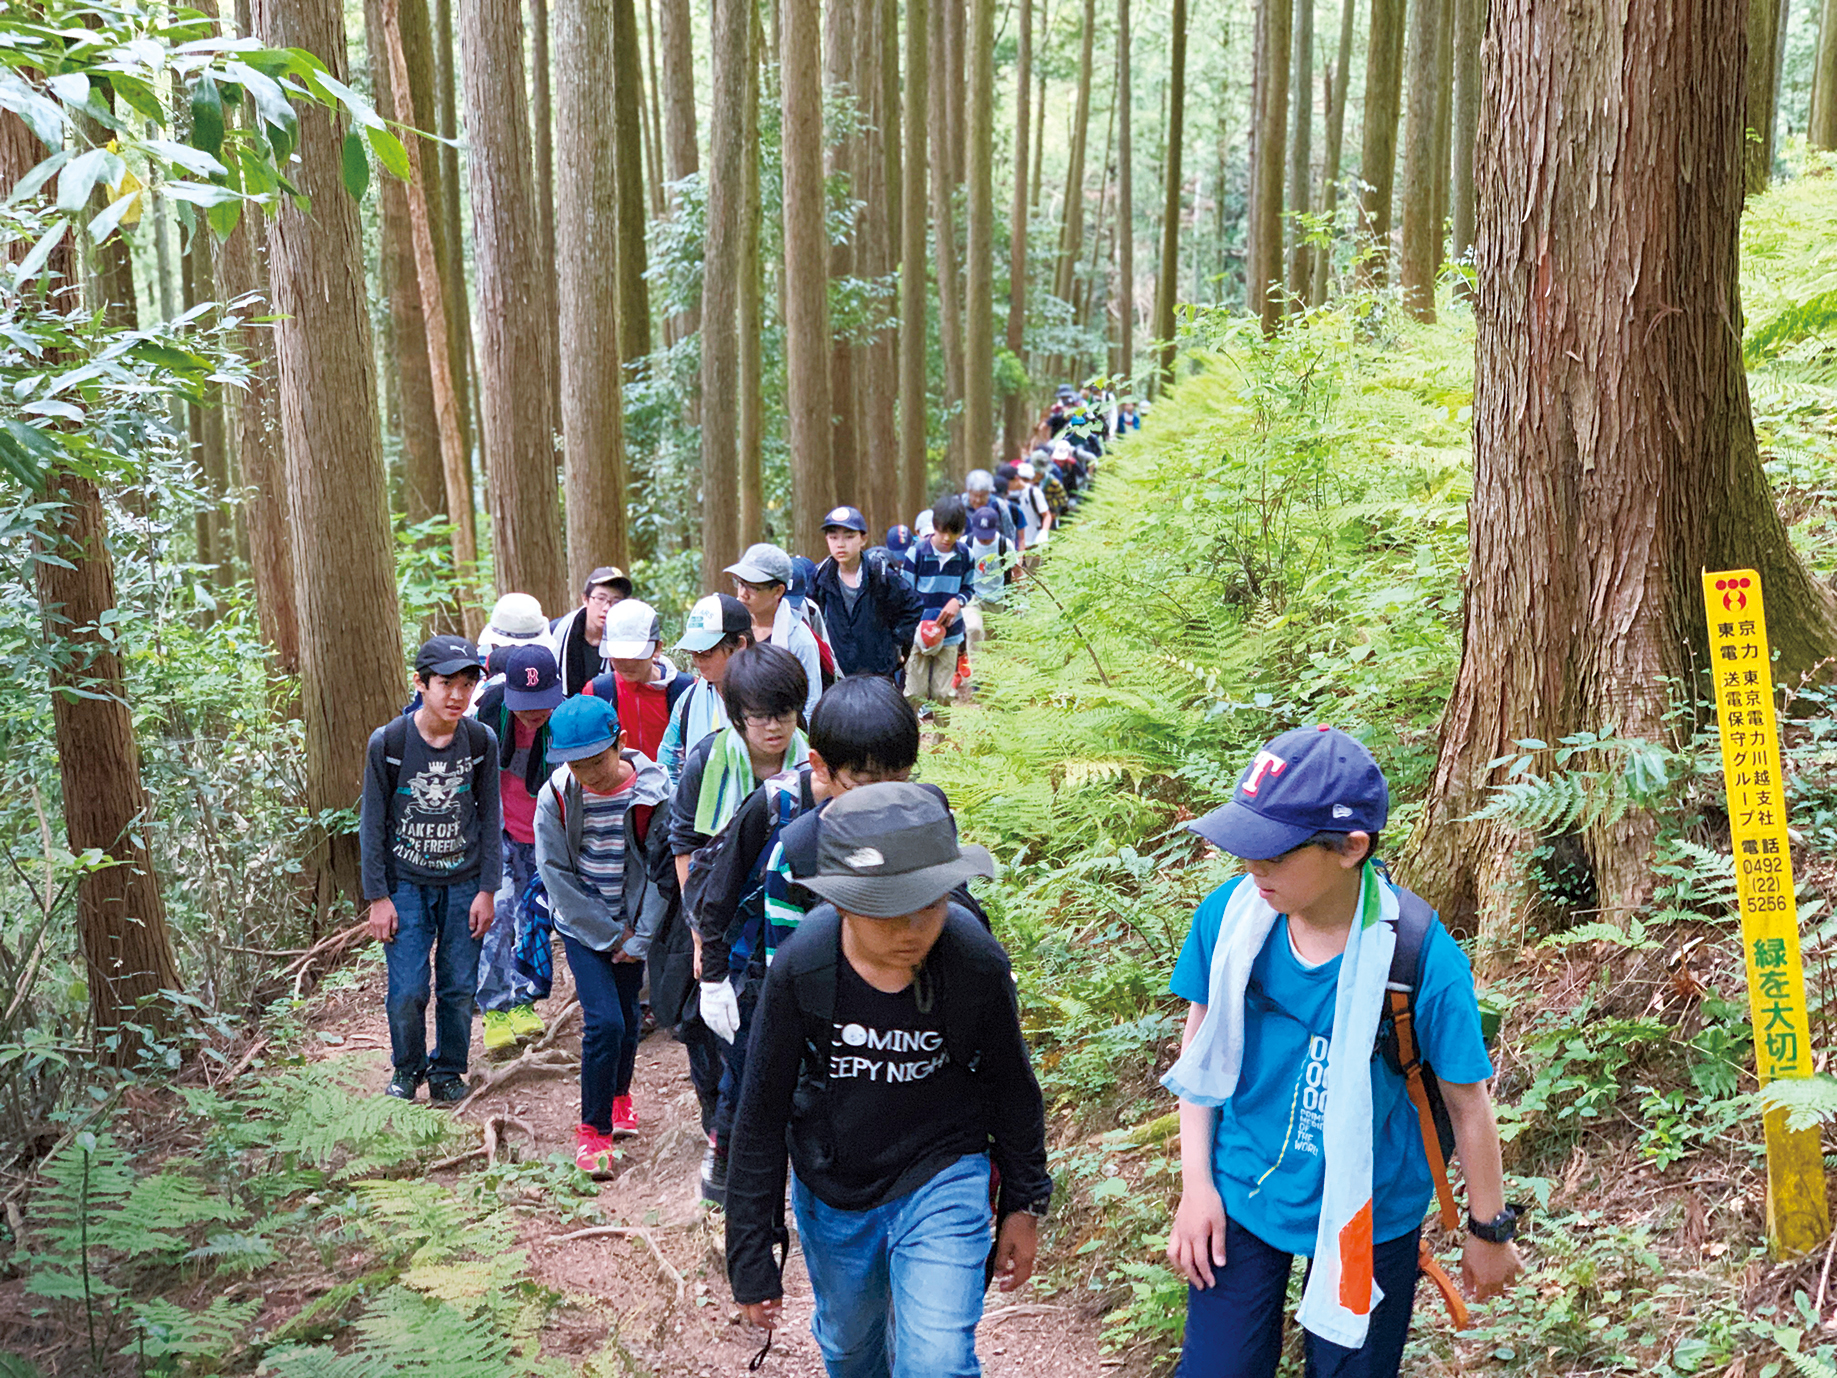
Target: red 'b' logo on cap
<point>532,676</point>
<point>1265,764</point>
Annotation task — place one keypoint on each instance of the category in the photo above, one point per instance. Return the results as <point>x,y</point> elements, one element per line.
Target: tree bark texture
<point>628,152</point>
<point>1614,454</point>
<point>209,443</point>
<point>1300,151</point>
<point>952,90</point>
<point>729,52</point>
<point>844,158</point>
<point>752,303</point>
<point>1167,285</point>
<point>654,164</point>
<point>806,276</point>
<point>542,150</point>
<point>1266,163</point>
<point>516,310</point>
<point>1335,146</point>
<point>877,380</point>
<point>1071,236</point>
<point>978,289</point>
<point>1444,123</point>
<point>913,281</point>
<point>1378,152</point>
<point>1763,15</point>
<point>351,663</point>
<point>1822,131</point>
<point>681,157</point>
<point>1416,267</point>
<point>1469,25</point>
<point>1125,204</point>
<point>944,242</point>
<point>592,414</point>
<point>440,62</point>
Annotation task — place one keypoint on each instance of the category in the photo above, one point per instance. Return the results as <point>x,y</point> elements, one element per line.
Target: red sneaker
<point>593,1152</point>
<point>962,676</point>
<point>624,1118</point>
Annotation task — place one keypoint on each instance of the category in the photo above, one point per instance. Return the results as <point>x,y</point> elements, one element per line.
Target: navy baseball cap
<point>447,655</point>
<point>1310,780</point>
<point>985,522</point>
<point>582,728</point>
<point>848,518</point>
<point>898,537</point>
<point>531,680</point>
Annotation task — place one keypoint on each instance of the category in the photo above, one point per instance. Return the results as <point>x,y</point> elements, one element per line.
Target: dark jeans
<point>705,1064</point>
<point>1234,1327</point>
<point>432,920</point>
<point>733,1063</point>
<point>608,993</point>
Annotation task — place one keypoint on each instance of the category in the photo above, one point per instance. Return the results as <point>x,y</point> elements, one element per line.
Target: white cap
<point>632,631</point>
<point>921,525</point>
<point>1026,471</point>
<point>516,619</point>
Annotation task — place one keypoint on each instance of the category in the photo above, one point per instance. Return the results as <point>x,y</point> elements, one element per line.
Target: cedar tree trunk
<point>1378,156</point>
<point>806,275</point>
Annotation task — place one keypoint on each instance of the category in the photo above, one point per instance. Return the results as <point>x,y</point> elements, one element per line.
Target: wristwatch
<point>1037,1209</point>
<point>1501,1229</point>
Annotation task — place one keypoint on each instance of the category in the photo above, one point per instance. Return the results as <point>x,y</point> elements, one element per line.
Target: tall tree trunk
<point>1774,121</point>
<point>806,276</point>
<point>951,90</point>
<point>1125,204</point>
<point>944,240</point>
<point>1822,130</point>
<point>1039,137</point>
<point>1014,413</point>
<point>1300,151</point>
<point>729,52</point>
<point>516,310</point>
<point>978,293</point>
<point>542,130</point>
<point>1417,266</point>
<point>1167,279</point>
<point>752,303</point>
<point>121,913</point>
<point>1266,162</point>
<point>913,295</point>
<point>211,527</point>
<point>628,153</point>
<point>1763,15</point>
<point>680,156</point>
<point>1444,123</point>
<point>424,496</point>
<point>655,174</point>
<point>844,158</point>
<point>442,61</point>
<point>1609,332</point>
<point>1378,155</point>
<point>1336,140</point>
<point>1071,236</point>
<point>351,664</point>
<point>1469,23</point>
<point>592,412</point>
<point>876,428</point>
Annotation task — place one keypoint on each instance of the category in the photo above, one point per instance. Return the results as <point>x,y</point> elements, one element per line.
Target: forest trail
<point>615,1286</point>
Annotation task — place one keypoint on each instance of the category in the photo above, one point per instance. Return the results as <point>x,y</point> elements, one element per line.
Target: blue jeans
<point>906,1277</point>
<point>608,992</point>
<point>500,984</point>
<point>1234,1327</point>
<point>431,920</point>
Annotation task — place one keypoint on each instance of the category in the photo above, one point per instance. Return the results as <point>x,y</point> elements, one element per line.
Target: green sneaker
<point>526,1023</point>
<point>500,1033</point>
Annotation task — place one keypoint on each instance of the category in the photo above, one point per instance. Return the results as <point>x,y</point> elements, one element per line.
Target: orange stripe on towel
<point>1355,1263</point>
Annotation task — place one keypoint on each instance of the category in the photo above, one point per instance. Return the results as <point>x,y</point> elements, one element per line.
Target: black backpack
<point>1397,1044</point>
<point>395,742</point>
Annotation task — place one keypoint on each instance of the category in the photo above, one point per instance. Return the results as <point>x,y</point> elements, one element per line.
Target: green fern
<point>1808,1101</point>
<point>1565,803</point>
<point>1809,1365</point>
<point>1816,315</point>
<point>166,1332</point>
<point>315,1118</point>
<point>405,1335</point>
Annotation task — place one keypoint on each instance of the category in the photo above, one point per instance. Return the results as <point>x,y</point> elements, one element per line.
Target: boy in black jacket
<point>888,1044</point>
<point>871,612</point>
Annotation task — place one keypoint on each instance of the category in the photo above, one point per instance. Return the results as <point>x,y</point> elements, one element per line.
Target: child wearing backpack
<point>1295,1137</point>
<point>431,865</point>
<point>595,820</point>
<point>863,732</point>
<point>887,1068</point>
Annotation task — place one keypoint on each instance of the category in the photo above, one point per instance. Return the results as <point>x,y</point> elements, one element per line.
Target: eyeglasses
<point>742,586</point>
<point>605,600</point>
<point>769,719</point>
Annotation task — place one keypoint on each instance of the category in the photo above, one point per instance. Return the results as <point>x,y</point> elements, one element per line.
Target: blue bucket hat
<point>581,728</point>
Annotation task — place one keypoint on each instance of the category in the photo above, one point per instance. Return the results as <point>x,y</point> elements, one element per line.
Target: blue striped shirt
<point>601,862</point>
<point>939,578</point>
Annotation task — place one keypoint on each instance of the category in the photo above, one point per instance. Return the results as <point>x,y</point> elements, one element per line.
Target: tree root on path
<point>488,1150</point>
<point>1028,1308</point>
<point>540,1056</point>
<point>629,1232</point>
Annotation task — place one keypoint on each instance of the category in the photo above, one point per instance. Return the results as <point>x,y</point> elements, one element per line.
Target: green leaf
<point>200,193</point>
<point>72,88</point>
<point>30,184</point>
<point>194,160</point>
<point>389,152</point>
<point>139,96</point>
<point>356,165</point>
<point>41,116</point>
<point>223,218</point>
<point>34,262</point>
<point>27,451</point>
<point>105,222</point>
<point>207,116</point>
<point>78,179</point>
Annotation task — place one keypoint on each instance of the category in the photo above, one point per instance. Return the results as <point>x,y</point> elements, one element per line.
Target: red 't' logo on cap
<point>1265,764</point>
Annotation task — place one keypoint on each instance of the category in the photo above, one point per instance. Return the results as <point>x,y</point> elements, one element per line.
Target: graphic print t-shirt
<point>1268,1159</point>
<point>435,840</point>
<point>901,1110</point>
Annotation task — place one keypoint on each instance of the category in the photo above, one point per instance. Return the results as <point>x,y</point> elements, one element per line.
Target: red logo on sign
<point>1732,596</point>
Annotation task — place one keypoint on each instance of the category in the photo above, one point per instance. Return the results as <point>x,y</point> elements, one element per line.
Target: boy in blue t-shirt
<point>1305,819</point>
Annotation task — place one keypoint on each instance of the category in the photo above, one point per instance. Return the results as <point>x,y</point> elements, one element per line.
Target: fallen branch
<point>301,967</point>
<point>488,1149</point>
<point>628,1232</point>
<point>1027,1308</point>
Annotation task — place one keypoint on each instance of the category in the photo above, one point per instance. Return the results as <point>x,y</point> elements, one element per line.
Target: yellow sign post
<point>1797,1217</point>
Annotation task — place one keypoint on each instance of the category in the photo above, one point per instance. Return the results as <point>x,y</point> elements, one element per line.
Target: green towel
<point>728,778</point>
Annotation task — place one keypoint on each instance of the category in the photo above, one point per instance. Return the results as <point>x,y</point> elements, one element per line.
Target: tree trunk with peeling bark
<point>1378,155</point>
<point>1274,24</point>
<point>1615,457</point>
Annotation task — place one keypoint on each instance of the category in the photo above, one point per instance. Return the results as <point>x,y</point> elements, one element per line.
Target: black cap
<point>607,574</point>
<point>447,655</point>
<point>887,850</point>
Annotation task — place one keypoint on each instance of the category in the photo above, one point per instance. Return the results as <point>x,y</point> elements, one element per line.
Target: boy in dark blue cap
<point>871,613</point>
<point>431,864</point>
<point>1294,1137</point>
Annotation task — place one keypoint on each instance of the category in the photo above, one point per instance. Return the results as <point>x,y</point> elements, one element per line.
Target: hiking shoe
<point>714,1175</point>
<point>624,1118</point>
<point>403,1086</point>
<point>446,1091</point>
<point>593,1152</point>
<point>963,670</point>
<point>500,1033</point>
<point>525,1023</point>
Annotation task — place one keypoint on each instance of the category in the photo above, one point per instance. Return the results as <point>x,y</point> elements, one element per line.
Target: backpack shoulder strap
<point>395,745</point>
<point>813,982</point>
<point>1414,921</point>
<point>573,816</point>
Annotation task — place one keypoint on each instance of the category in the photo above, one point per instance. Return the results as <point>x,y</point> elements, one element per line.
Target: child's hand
<point>1196,1245</point>
<point>1015,1248</point>
<point>1488,1269</point>
<point>478,918</point>
<point>382,920</point>
<point>763,1314</point>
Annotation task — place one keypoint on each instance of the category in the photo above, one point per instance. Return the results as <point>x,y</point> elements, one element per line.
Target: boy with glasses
<point>575,637</point>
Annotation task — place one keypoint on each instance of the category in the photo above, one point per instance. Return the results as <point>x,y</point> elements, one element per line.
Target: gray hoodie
<point>580,907</point>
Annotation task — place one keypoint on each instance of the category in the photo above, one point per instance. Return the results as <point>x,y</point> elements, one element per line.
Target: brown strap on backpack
<point>1426,1264</point>
<point>1431,1141</point>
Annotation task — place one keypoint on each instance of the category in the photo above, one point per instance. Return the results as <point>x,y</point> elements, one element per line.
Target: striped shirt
<point>601,862</point>
<point>938,578</point>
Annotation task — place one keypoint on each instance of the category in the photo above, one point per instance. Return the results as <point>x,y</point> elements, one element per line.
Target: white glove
<point>721,1009</point>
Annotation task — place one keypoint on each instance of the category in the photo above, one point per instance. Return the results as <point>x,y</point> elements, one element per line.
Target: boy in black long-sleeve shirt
<point>888,1044</point>
<point>431,865</point>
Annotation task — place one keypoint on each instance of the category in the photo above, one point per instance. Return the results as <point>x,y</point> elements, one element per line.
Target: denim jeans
<point>705,1066</point>
<point>1234,1327</point>
<point>733,1059</point>
<point>906,1277</point>
<point>608,992</point>
<point>432,920</point>
<point>500,984</point>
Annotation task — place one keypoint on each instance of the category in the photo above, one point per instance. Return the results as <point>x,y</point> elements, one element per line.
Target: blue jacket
<point>874,639</point>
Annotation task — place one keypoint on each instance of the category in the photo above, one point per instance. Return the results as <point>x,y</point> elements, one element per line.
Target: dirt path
<point>617,1289</point>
